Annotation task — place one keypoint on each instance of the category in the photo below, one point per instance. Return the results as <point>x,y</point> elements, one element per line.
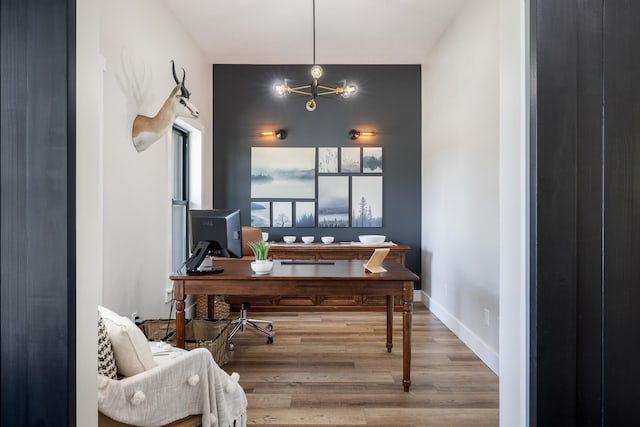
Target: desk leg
<point>407,314</point>
<point>389,322</point>
<point>179,296</point>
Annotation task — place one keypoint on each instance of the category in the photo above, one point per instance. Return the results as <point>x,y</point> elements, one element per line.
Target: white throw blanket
<point>188,384</point>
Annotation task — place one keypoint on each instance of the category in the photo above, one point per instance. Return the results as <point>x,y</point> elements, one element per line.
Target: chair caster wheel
<point>269,340</point>
<point>231,346</point>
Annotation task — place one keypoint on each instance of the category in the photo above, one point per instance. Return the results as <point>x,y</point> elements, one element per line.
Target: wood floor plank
<point>306,416</point>
<point>332,369</point>
<point>432,417</point>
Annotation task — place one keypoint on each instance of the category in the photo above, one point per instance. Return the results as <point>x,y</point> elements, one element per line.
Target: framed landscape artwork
<point>328,160</point>
<point>305,214</point>
<point>282,172</point>
<point>350,160</point>
<point>260,214</point>
<point>366,201</point>
<point>282,216</point>
<point>372,159</point>
<point>333,201</point>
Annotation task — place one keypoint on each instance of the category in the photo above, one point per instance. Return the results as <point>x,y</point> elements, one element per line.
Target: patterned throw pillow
<point>106,362</point>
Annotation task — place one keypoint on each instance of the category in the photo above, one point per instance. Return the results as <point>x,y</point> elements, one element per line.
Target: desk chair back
<point>250,234</point>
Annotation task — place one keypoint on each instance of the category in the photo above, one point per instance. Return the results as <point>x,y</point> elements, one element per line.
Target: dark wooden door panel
<point>554,192</point>
<point>622,211</point>
<point>585,212</point>
<point>37,259</point>
<point>589,214</point>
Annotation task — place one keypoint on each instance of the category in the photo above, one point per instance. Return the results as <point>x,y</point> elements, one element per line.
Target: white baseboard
<point>487,354</point>
<point>417,296</point>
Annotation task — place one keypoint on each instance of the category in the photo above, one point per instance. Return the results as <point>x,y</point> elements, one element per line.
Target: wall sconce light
<point>355,134</point>
<point>278,133</point>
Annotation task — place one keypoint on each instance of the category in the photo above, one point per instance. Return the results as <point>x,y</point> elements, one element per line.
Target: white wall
<point>514,214</point>
<point>138,40</point>
<point>460,159</point>
<point>88,208</point>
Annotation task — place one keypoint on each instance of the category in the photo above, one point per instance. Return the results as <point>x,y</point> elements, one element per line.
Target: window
<point>180,198</point>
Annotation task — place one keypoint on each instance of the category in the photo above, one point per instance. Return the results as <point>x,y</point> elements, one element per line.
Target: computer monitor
<point>216,232</point>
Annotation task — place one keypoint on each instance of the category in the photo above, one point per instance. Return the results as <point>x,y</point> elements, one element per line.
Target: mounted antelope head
<point>147,130</point>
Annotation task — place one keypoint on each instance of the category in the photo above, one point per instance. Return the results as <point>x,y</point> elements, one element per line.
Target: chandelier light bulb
<point>316,72</point>
<point>311,105</point>
<point>280,89</point>
<point>349,90</point>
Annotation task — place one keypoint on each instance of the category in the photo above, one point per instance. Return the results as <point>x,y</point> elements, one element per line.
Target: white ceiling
<point>347,31</point>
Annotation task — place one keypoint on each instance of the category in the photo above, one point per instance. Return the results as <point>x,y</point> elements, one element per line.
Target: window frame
<point>180,190</point>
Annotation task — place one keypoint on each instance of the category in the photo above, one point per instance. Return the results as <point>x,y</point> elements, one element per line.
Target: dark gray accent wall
<point>37,213</point>
<point>388,101</point>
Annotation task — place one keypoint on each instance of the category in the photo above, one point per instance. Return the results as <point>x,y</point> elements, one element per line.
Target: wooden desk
<point>318,302</point>
<point>343,278</point>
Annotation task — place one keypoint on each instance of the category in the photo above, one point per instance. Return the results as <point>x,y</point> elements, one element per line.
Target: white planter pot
<point>262,267</point>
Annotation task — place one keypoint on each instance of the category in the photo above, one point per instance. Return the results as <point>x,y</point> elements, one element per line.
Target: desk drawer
<point>312,303</point>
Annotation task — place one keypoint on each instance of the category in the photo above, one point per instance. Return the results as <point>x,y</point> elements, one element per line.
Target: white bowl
<point>327,239</point>
<point>307,239</point>
<point>371,239</point>
<point>289,239</point>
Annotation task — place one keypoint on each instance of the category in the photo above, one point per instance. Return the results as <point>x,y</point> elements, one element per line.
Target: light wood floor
<point>332,369</point>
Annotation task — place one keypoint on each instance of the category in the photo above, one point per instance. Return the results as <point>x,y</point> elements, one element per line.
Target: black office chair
<point>249,234</point>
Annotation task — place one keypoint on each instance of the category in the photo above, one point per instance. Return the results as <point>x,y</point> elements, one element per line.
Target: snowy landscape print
<point>366,202</point>
<point>260,214</point>
<point>305,214</point>
<point>333,201</point>
<point>372,159</point>
<point>282,214</point>
<point>279,172</point>
<point>350,159</point>
<point>328,160</point>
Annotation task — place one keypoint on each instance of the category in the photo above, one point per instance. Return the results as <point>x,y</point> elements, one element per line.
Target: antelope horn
<point>173,69</point>
<point>185,92</point>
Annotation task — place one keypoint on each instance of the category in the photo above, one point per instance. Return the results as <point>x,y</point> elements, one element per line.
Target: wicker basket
<point>202,306</point>
<point>159,329</point>
<point>209,334</point>
<point>220,307</point>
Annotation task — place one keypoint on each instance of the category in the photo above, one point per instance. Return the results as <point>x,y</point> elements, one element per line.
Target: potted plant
<point>262,265</point>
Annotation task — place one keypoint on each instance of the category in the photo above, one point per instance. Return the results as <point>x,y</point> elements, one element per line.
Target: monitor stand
<point>211,269</point>
<point>208,266</point>
<point>199,254</point>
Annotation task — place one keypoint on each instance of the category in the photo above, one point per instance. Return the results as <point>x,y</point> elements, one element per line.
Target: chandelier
<point>315,89</point>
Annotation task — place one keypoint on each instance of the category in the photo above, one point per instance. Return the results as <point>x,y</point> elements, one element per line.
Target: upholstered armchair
<point>159,385</point>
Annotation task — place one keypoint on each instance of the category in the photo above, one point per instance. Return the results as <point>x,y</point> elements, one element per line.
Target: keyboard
<point>307,262</point>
